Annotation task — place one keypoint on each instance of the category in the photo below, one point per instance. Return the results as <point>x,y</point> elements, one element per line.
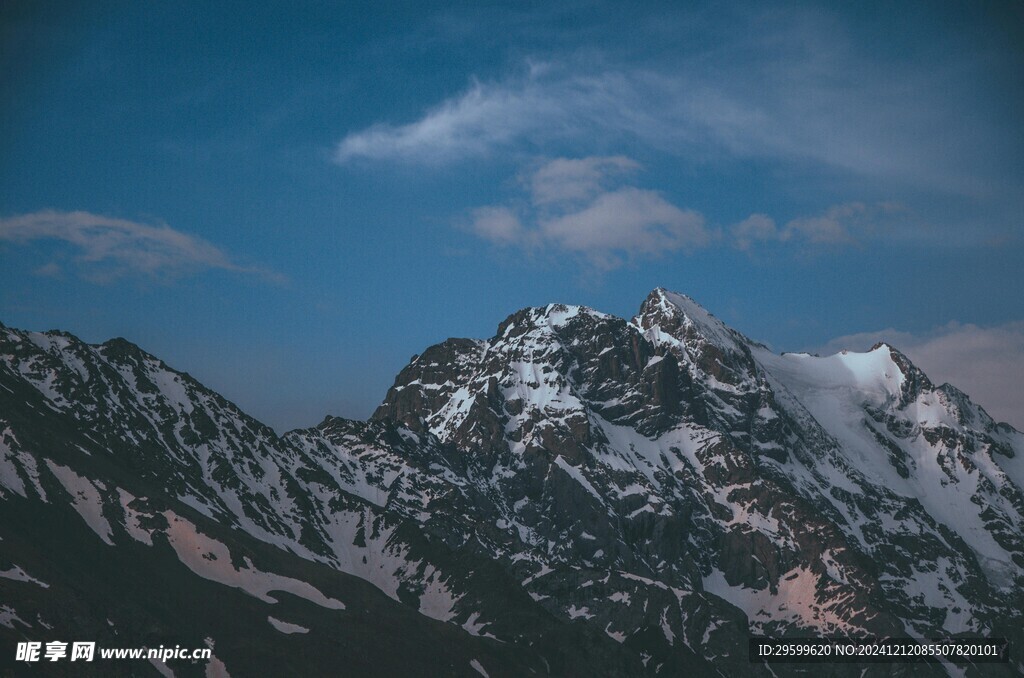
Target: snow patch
<point>474,627</point>
<point>85,498</point>
<point>211,560</point>
<point>8,616</point>
<point>18,574</point>
<point>795,602</point>
<point>577,612</point>
<point>617,636</point>
<point>286,627</point>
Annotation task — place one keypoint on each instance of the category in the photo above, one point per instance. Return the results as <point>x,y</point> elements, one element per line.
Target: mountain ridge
<point>659,487</point>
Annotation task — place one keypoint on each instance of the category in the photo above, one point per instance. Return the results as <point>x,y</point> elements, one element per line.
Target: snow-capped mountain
<point>579,494</point>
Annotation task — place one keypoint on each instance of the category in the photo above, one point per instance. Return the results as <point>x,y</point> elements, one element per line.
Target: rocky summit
<point>579,494</point>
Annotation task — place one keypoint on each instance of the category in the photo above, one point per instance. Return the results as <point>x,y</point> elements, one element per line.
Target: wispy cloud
<point>791,92</point>
<point>843,224</point>
<point>987,363</point>
<point>474,123</point>
<point>548,103</point>
<point>107,247</point>
<point>807,94</point>
<point>577,206</point>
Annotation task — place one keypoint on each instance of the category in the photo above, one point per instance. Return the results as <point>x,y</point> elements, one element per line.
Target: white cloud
<point>627,220</point>
<point>755,229</point>
<point>987,363</point>
<point>820,111</point>
<point>842,224</point>
<point>574,208</point>
<point>498,224</point>
<point>109,247</point>
<point>832,227</point>
<point>566,180</point>
<point>483,117</point>
<point>790,93</point>
<point>548,103</point>
<point>579,205</point>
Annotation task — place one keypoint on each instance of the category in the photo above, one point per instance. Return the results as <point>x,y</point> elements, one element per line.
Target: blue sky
<point>288,200</point>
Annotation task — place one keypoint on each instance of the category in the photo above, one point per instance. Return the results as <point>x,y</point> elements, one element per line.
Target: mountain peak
<point>914,380</point>
<point>678,299</point>
<point>666,314</point>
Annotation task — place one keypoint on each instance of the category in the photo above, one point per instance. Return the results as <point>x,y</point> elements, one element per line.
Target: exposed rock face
<point>647,493</point>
